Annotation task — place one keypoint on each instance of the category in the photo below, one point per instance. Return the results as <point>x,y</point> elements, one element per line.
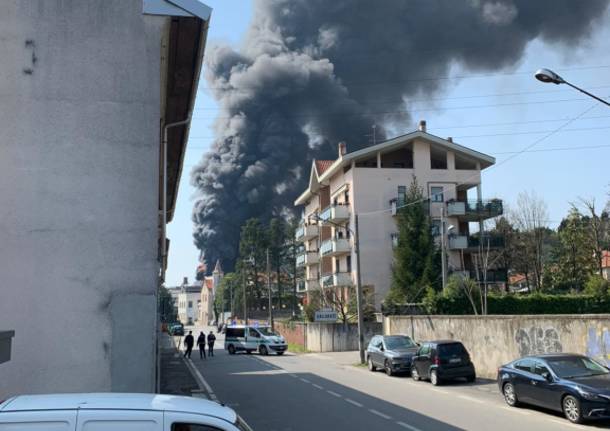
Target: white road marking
<point>294,375</point>
<point>378,413</point>
<point>356,403</point>
<point>317,386</point>
<point>440,391</point>
<point>258,373</point>
<point>334,394</point>
<point>512,409</point>
<point>200,380</point>
<point>474,400</point>
<point>407,426</point>
<point>304,380</point>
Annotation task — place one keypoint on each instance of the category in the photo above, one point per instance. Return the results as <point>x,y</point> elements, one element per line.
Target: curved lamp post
<point>548,76</point>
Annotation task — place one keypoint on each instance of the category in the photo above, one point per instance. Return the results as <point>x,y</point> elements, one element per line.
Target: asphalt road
<point>327,392</point>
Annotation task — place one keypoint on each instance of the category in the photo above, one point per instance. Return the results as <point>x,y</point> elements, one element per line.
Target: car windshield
<point>453,349</point>
<point>576,366</point>
<point>402,342</point>
<point>266,332</point>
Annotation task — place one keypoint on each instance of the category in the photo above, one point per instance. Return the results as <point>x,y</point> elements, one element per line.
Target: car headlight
<point>587,395</point>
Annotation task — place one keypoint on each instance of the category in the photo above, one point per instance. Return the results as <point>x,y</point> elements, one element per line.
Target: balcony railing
<point>338,279</point>
<point>475,210</point>
<point>308,258</point>
<point>335,213</point>
<point>335,247</point>
<point>306,232</point>
<point>462,242</point>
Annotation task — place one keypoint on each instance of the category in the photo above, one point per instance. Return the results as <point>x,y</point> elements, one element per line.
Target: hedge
<point>513,304</point>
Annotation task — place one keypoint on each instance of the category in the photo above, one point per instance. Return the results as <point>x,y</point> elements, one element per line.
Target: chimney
<point>422,126</point>
<point>342,149</point>
<point>450,139</point>
<point>185,281</point>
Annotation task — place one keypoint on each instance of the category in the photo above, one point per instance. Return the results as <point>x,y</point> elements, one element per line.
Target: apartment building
<point>373,182</point>
<point>189,300</point>
<point>208,295</point>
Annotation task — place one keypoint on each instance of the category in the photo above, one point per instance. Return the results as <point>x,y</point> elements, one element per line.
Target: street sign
<point>326,315</point>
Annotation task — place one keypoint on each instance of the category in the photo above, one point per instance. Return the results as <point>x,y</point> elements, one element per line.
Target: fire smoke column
<point>312,73</point>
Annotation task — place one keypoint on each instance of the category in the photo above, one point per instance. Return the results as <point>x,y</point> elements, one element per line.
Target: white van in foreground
<point>116,412</point>
<point>254,338</point>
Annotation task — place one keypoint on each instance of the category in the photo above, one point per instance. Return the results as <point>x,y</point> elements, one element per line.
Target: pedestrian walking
<point>211,339</point>
<point>189,340</point>
<point>201,344</point>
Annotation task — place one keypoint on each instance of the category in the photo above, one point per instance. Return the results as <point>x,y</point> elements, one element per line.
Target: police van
<point>254,338</point>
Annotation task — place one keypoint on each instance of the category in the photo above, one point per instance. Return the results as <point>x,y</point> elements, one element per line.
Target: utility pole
<point>243,275</point>
<point>359,291</point>
<point>269,291</point>
<point>443,258</point>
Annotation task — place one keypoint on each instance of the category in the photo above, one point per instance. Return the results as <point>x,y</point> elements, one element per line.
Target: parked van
<point>254,338</point>
<point>114,411</point>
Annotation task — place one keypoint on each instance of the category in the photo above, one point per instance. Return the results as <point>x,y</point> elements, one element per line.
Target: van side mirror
<point>547,376</point>
<point>381,348</point>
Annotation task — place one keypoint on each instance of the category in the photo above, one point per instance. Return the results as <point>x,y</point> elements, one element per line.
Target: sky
<point>547,139</point>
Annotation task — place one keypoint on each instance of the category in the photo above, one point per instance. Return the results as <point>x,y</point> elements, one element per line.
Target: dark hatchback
<point>442,360</point>
<point>393,353</point>
<point>573,384</point>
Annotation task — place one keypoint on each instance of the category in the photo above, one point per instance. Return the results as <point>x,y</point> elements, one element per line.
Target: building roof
<point>120,402</point>
<point>322,170</point>
<point>606,259</point>
<point>209,283</point>
<point>516,278</point>
<point>217,267</point>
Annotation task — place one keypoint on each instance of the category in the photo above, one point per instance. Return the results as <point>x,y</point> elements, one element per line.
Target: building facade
<point>373,183</point>
<point>208,295</point>
<point>606,264</point>
<point>87,88</point>
<point>189,302</point>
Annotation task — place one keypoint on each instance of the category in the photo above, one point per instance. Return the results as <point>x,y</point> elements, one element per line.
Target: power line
<point>437,78</point>
<point>550,150</point>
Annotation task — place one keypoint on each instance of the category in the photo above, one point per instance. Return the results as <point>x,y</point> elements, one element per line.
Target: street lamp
<point>548,76</point>
<point>358,280</point>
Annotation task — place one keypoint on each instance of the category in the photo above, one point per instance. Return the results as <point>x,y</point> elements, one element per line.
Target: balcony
<point>472,243</point>
<point>312,284</point>
<point>493,276</point>
<point>338,279</point>
<point>335,247</point>
<point>475,210</point>
<point>305,232</point>
<point>334,214</point>
<point>308,258</point>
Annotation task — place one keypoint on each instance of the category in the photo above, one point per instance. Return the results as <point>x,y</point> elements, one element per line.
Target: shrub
<point>597,286</point>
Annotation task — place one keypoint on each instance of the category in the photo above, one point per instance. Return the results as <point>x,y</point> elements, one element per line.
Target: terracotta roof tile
<point>606,259</point>
<point>323,165</point>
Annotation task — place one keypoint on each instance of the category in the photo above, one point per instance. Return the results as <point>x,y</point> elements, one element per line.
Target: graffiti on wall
<point>598,345</point>
<point>536,340</point>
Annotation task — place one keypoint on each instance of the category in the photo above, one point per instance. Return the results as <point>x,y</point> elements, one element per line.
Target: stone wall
<point>495,340</point>
<point>327,337</point>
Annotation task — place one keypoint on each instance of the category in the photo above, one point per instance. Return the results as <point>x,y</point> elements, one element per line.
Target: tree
<point>226,298</point>
<point>531,220</point>
<point>166,307</point>
<point>344,302</point>
<point>597,231</point>
<point>413,269</point>
<point>458,287</point>
<point>252,257</point>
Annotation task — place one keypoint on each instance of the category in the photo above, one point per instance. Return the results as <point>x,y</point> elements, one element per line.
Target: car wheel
<point>434,378</point>
<point>370,364</point>
<point>571,409</point>
<point>387,367</point>
<point>231,349</point>
<point>508,390</point>
<point>280,353</point>
<point>415,374</point>
<point>471,378</point>
<point>263,350</point>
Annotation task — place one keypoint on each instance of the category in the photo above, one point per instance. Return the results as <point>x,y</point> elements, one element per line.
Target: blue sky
<point>495,113</point>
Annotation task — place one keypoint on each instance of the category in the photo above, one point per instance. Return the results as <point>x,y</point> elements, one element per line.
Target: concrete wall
<point>79,155</point>
<point>495,340</point>
<point>327,337</point>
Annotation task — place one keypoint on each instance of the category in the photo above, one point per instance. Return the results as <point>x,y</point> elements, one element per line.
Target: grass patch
<point>358,364</point>
<point>297,348</point>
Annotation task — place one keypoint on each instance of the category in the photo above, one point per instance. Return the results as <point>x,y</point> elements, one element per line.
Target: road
<point>328,392</point>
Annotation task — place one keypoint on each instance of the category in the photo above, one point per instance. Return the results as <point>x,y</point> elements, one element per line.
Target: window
<point>402,195</point>
<point>438,158</point>
<point>348,261</point>
<point>253,333</point>
<point>337,266</point>
<point>425,350</point>
<point>525,365</point>
<point>435,227</point>
<point>193,427</point>
<point>234,333</point>
<point>190,304</point>
<point>540,368</point>
<point>436,194</point>
<point>346,196</point>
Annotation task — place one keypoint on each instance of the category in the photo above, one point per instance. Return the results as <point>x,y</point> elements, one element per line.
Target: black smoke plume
<point>315,72</point>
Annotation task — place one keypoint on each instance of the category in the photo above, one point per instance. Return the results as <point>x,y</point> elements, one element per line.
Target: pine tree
<point>416,256</point>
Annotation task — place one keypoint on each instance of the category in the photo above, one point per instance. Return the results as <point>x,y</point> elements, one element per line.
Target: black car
<point>442,360</point>
<point>393,353</point>
<point>176,329</point>
<point>573,384</point>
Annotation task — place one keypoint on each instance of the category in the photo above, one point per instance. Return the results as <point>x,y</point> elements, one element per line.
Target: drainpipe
<point>164,194</point>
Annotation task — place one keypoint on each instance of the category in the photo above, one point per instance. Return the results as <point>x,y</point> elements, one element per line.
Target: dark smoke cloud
<point>314,72</point>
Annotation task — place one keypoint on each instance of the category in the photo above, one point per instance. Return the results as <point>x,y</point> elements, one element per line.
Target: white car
<point>116,412</point>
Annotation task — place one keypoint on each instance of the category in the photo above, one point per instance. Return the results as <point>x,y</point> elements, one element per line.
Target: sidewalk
<point>176,378</point>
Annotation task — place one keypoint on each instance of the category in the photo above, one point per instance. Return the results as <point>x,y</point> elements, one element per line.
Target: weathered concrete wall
<point>495,340</point>
<point>79,154</point>
<point>327,337</point>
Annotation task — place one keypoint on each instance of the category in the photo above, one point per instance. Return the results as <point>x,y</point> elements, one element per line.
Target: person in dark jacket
<point>211,339</point>
<point>201,344</point>
<point>188,342</point>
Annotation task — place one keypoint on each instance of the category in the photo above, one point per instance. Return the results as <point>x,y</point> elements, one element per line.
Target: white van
<point>116,412</point>
<point>254,338</point>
